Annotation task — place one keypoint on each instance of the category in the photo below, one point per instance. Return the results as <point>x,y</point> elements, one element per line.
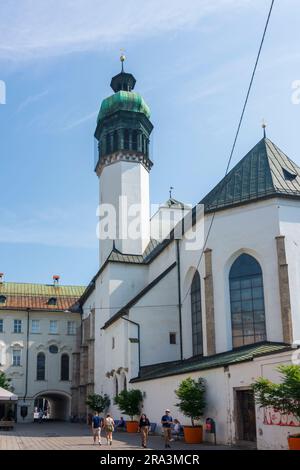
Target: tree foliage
<point>98,403</point>
<point>4,381</point>
<point>129,402</point>
<point>283,397</point>
<point>191,394</point>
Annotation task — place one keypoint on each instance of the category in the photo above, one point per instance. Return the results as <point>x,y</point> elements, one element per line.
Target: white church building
<point>161,310</point>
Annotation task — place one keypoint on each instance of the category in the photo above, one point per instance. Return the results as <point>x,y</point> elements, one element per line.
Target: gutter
<point>179,296</point>
<point>27,353</point>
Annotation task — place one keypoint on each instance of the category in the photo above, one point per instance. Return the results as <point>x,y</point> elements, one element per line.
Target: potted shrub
<point>283,397</point>
<point>98,403</point>
<point>129,403</point>
<point>191,394</point>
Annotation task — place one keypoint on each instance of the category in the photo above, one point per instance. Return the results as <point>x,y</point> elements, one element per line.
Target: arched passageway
<point>56,405</point>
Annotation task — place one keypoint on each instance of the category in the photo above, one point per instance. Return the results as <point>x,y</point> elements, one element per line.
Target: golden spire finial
<point>122,58</point>
<point>264,125</point>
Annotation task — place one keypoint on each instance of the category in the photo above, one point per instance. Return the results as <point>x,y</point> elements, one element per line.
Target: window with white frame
<point>35,326</point>
<point>71,327</point>
<point>16,356</point>
<point>1,325</point>
<point>17,326</point>
<point>53,327</point>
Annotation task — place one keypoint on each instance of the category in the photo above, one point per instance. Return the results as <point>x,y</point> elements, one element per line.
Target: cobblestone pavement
<point>68,436</point>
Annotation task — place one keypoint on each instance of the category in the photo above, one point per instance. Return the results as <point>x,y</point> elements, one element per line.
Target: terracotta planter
<point>294,442</point>
<point>132,426</point>
<point>193,434</point>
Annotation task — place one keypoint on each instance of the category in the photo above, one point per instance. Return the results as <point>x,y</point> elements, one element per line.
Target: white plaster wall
<point>220,393</point>
<point>130,180</point>
<point>289,214</point>
<point>158,321</point>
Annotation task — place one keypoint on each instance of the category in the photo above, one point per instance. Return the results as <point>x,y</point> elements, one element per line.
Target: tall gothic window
<point>108,143</point>
<point>116,386</point>
<point>115,141</point>
<point>126,139</point>
<point>65,366</point>
<point>40,366</point>
<point>125,383</point>
<point>196,315</point>
<point>247,301</point>
<point>134,140</point>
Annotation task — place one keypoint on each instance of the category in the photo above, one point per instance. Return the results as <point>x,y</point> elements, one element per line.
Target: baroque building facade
<point>38,331</point>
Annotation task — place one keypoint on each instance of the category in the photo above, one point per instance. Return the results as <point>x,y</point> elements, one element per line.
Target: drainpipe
<point>139,342</point>
<point>179,296</point>
<point>27,353</point>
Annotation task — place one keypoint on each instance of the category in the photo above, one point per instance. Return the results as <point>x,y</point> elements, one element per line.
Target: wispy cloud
<point>80,121</point>
<point>31,99</point>
<point>31,29</point>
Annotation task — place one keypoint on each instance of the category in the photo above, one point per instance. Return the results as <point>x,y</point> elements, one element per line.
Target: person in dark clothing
<point>144,427</point>
<point>166,422</point>
<point>96,427</point>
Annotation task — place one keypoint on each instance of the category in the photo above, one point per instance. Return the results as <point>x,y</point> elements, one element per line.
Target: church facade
<point>161,309</point>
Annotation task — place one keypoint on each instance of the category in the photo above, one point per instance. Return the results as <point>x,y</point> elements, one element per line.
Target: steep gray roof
<point>264,172</point>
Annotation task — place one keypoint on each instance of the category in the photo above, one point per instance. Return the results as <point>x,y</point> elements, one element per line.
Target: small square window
<point>172,338</point>
<point>53,327</point>
<point>71,328</point>
<point>35,326</point>
<point>17,326</point>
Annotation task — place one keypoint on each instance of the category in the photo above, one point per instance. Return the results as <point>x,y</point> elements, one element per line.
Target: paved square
<point>69,436</point>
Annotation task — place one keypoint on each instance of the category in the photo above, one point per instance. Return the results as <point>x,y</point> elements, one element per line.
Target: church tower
<point>123,166</point>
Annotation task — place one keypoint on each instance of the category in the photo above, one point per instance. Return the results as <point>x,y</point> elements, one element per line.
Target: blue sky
<point>192,61</point>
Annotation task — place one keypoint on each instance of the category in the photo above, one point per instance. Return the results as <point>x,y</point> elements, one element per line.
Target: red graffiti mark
<point>275,418</point>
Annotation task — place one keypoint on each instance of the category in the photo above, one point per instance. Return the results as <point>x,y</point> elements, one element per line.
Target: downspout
<point>139,342</point>
<point>179,296</point>
<point>27,353</point>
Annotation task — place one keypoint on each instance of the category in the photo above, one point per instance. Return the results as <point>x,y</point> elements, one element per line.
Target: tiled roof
<point>36,296</point>
<point>264,172</point>
<point>243,354</point>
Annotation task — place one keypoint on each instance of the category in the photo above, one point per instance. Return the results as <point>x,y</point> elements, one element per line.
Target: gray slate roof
<point>201,363</point>
<point>264,172</point>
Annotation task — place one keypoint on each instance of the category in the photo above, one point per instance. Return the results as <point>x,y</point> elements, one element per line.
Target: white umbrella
<point>5,395</point>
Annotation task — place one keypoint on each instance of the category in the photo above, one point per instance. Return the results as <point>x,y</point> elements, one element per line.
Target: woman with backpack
<point>109,427</point>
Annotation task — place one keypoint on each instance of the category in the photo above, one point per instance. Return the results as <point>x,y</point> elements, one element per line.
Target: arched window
<point>196,315</point>
<point>125,383</point>
<point>40,366</point>
<point>126,139</point>
<point>115,141</point>
<point>134,140</point>
<point>108,143</point>
<point>247,301</point>
<point>116,386</point>
<point>64,369</point>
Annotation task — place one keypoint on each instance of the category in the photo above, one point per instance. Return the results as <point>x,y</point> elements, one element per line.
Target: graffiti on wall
<point>275,418</point>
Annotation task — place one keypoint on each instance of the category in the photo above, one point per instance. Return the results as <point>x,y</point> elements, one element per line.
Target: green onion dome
<point>123,101</point>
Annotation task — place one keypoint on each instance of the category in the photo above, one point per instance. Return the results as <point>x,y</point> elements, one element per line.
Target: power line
<point>235,138</point>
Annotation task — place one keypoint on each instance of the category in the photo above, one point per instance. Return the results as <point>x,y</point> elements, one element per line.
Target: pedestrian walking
<point>166,422</point>
<point>41,414</point>
<point>144,427</point>
<point>109,426</point>
<point>96,427</point>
